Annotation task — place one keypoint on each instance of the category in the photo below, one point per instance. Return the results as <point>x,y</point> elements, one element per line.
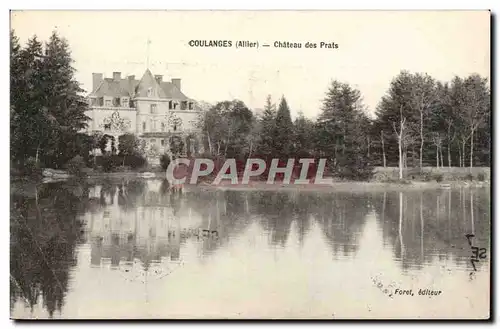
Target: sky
<point>373,47</point>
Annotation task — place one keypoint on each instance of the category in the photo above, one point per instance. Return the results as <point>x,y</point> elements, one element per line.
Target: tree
<point>423,97</point>
<point>254,136</point>
<point>443,118</point>
<point>128,144</point>
<point>29,118</point>
<point>63,97</point>
<point>384,161</point>
<point>476,107</point>
<point>227,125</point>
<point>400,133</point>
<point>284,129</point>
<point>267,142</point>
<point>176,145</point>
<point>47,106</point>
<point>344,124</point>
<point>303,137</point>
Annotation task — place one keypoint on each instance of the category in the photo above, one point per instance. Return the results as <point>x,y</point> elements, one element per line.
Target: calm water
<point>136,249</point>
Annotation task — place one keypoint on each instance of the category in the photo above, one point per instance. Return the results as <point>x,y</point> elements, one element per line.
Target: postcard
<point>250,165</point>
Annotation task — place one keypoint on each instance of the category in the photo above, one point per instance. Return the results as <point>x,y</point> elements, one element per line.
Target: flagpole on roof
<point>148,43</point>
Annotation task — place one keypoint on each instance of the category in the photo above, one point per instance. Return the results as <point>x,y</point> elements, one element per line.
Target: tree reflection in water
<point>44,231</point>
<point>425,225</point>
<point>140,227</point>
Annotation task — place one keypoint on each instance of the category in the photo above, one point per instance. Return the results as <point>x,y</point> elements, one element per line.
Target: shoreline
<point>338,186</point>
<point>342,186</point>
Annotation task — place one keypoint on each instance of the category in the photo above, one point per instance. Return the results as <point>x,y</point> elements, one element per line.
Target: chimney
<point>177,83</point>
<point>117,76</point>
<point>131,77</point>
<point>96,80</point>
<point>159,78</point>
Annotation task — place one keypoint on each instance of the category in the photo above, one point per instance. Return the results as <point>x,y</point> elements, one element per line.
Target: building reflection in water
<point>149,232</point>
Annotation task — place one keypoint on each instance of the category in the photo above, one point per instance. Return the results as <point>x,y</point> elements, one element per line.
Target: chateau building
<point>156,111</point>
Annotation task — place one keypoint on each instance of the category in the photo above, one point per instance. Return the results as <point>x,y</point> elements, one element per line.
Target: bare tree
<point>424,95</point>
<point>400,136</point>
<point>383,148</point>
<point>437,139</point>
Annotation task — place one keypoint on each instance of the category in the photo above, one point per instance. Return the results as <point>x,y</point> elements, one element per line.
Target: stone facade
<point>154,110</point>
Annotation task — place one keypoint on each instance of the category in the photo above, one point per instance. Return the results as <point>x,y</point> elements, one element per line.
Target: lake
<point>137,249</point>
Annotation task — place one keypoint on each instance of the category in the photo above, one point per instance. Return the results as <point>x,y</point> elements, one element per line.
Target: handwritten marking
<point>477,254</point>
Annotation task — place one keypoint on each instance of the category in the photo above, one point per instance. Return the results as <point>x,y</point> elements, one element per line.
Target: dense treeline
<point>419,122</point>
<point>424,122</point>
<point>47,107</point>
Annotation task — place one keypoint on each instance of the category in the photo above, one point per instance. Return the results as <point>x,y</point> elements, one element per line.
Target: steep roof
<point>147,82</point>
<point>172,91</point>
<point>114,88</point>
<point>138,88</point>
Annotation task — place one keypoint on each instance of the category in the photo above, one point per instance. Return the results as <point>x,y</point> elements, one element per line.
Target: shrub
<point>164,161</point>
<point>135,161</point>
<point>481,177</point>
<point>123,168</point>
<point>396,180</point>
<point>426,176</point>
<point>353,167</point>
<point>438,177</point>
<point>31,167</point>
<point>76,165</point>
<point>108,163</point>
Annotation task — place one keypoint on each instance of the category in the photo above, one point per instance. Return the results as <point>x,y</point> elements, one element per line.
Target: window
<point>183,105</point>
<point>116,101</point>
<point>153,108</point>
<point>150,91</point>
<point>125,102</point>
<point>170,105</point>
<point>144,126</point>
<point>100,101</point>
<point>163,126</point>
<point>175,105</point>
<point>162,142</point>
<point>107,102</point>
<point>153,141</point>
<point>190,105</point>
